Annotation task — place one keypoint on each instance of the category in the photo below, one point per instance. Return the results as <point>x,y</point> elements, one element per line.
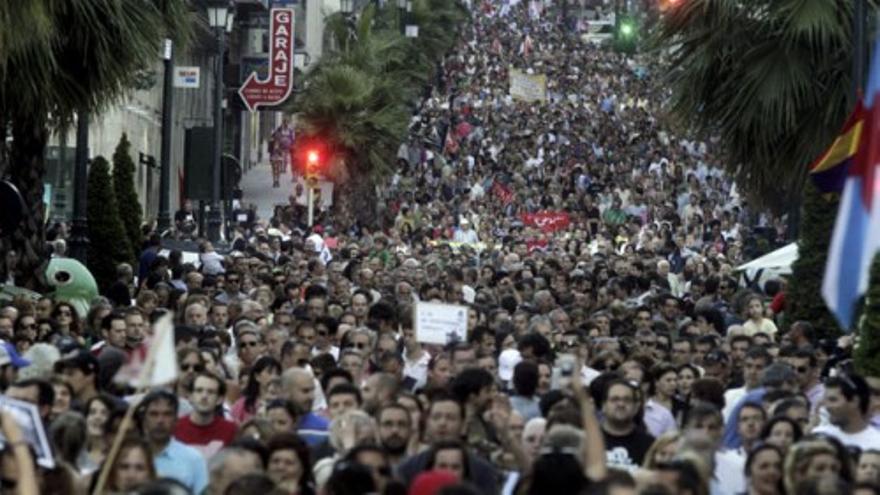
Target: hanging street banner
<point>257,92</point>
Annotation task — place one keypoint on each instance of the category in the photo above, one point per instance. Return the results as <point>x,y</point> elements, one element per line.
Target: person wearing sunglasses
<point>806,365</point>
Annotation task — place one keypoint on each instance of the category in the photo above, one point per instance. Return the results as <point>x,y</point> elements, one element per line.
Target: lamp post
<point>79,232</point>
<point>218,13</point>
<point>164,217</point>
<point>347,9</point>
<point>410,30</point>
<point>401,16</point>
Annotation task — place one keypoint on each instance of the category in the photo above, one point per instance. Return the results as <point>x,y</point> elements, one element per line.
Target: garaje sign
<point>277,86</point>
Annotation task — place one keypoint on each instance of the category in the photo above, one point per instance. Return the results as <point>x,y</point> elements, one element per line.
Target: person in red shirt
<point>205,429</point>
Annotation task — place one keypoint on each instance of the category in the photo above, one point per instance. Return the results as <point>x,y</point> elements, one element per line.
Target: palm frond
<point>770,77</point>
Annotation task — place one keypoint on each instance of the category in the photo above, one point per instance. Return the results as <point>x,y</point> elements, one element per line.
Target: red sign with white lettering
<point>547,221</point>
<point>276,88</point>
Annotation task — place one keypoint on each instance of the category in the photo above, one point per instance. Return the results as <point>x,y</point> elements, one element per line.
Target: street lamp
<point>401,16</point>
<point>410,30</point>
<point>220,22</point>
<point>345,6</point>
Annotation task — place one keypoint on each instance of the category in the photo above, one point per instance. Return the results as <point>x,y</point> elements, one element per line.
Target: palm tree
<point>771,78</point>
<point>356,99</point>
<point>58,58</point>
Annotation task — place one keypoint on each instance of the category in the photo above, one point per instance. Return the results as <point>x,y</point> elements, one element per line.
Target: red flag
<point>547,221</point>
<point>525,48</point>
<point>503,192</point>
<point>451,145</point>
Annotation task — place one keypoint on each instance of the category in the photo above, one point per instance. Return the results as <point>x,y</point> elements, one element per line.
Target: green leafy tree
<point>804,296</point>
<point>357,98</point>
<point>770,77</point>
<point>109,242</point>
<point>867,352</point>
<point>58,58</point>
<point>126,197</point>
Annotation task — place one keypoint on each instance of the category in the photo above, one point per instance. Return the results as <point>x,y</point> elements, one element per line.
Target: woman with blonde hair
<point>662,450</point>
<point>808,460</point>
<point>352,428</point>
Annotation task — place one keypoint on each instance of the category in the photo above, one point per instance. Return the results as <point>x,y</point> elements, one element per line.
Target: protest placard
<point>528,87</point>
<point>437,323</point>
<point>28,418</point>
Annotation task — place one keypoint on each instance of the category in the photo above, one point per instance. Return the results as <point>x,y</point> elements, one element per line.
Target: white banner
<point>528,87</point>
<point>440,323</point>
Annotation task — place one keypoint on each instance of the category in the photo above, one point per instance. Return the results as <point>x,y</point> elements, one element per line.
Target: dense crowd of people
<point>610,346</point>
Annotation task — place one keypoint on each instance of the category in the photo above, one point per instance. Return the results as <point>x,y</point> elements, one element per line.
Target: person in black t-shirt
<point>625,442</point>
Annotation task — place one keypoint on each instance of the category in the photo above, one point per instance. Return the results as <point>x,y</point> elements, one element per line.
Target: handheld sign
<point>440,323</point>
<point>28,418</point>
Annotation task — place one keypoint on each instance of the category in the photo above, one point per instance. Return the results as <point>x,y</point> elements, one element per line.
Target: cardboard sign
<point>28,418</point>
<point>442,324</point>
<point>528,87</point>
<point>323,193</point>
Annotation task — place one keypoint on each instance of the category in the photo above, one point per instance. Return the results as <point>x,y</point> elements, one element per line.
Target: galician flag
<point>856,237</point>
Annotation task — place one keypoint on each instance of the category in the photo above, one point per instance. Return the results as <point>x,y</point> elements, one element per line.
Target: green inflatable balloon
<point>73,283</point>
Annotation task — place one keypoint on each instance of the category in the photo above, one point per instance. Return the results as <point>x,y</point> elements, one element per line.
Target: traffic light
<point>626,36</point>
<point>313,163</point>
<point>627,28</point>
<point>312,157</point>
<point>666,5</point>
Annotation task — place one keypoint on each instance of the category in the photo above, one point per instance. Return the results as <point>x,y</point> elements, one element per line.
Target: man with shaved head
<point>300,386</point>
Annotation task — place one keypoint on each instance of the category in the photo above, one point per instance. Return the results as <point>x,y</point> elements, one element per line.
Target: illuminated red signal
<point>313,157</point>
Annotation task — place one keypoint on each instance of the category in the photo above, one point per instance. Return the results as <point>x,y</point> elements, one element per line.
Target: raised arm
<point>21,451</point>
<point>595,466</point>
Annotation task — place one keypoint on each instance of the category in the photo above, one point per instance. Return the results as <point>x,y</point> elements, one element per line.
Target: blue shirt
<point>183,463</point>
<point>313,429</point>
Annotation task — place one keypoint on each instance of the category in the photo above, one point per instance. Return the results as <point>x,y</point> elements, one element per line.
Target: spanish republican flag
<point>830,170</point>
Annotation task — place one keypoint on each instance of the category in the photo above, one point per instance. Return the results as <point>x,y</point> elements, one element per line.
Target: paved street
<point>256,186</point>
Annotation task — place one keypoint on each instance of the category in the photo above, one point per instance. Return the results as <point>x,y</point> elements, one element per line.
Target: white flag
<point>154,363</point>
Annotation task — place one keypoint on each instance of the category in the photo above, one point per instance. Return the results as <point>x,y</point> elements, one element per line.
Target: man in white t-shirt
<point>847,398</point>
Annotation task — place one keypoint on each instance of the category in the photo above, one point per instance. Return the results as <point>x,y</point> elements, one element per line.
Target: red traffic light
<point>312,157</point>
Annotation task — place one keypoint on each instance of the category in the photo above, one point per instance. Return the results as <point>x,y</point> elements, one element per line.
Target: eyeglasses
<point>250,343</point>
<point>802,369</point>
<point>232,280</point>
<point>191,367</point>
